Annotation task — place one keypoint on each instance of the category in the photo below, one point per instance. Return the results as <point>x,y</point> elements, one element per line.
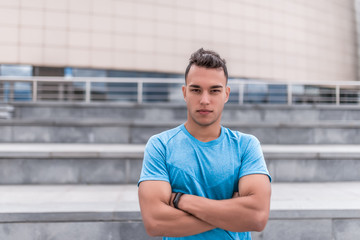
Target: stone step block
<point>93,212</point>
<point>177,112</point>
<point>6,111</point>
<point>138,132</point>
<point>121,163</point>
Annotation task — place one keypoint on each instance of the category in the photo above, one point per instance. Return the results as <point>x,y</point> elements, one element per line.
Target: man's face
<point>205,94</point>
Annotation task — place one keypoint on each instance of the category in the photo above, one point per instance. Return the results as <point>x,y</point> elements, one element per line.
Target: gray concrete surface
<point>121,163</point>
<point>298,211</point>
<point>114,132</point>
<point>6,111</point>
<point>133,123</point>
<point>169,112</point>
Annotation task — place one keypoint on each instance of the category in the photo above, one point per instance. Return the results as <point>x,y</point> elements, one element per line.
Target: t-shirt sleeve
<point>154,164</point>
<point>252,161</point>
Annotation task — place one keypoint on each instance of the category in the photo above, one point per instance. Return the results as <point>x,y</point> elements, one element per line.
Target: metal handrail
<point>240,87</point>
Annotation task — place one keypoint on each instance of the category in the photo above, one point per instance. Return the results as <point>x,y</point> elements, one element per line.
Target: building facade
<point>276,40</point>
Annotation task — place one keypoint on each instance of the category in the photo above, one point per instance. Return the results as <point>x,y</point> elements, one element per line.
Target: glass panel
<point>126,92</point>
<point>15,90</point>
<point>16,70</point>
<point>349,96</point>
<point>163,92</point>
<point>61,91</point>
<point>255,93</point>
<point>86,72</point>
<point>234,92</point>
<point>156,92</point>
<point>277,94</point>
<point>136,74</point>
<point>327,95</point>
<point>175,93</point>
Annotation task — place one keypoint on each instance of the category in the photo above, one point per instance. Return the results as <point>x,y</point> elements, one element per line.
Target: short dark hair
<point>206,59</point>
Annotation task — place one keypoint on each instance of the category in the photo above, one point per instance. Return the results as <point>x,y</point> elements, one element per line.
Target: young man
<point>201,180</point>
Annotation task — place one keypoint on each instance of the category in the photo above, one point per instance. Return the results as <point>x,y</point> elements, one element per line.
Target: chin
<point>205,124</point>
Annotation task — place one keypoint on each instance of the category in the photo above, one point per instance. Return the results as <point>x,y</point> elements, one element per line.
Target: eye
<point>195,90</point>
<point>215,91</point>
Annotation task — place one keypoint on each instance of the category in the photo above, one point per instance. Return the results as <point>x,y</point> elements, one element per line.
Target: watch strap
<point>177,199</point>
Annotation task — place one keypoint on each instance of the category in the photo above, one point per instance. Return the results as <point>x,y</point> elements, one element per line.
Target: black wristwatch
<point>177,199</point>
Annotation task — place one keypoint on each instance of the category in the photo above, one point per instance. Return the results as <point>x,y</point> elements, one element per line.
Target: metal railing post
<point>34,91</point>
<point>140,92</point>
<point>61,92</point>
<point>337,95</point>
<point>12,91</point>
<point>241,93</point>
<point>289,94</point>
<point>87,91</point>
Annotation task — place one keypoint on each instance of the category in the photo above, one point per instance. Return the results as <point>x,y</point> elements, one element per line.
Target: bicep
<point>152,196</point>
<point>256,186</point>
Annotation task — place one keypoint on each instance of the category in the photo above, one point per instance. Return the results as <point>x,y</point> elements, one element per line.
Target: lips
<point>204,111</point>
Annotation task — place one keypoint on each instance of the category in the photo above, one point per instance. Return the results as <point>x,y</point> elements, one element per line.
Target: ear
<point>227,92</point>
<point>184,92</point>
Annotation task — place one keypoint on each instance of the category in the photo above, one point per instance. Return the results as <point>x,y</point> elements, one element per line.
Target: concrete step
<point>139,131</point>
<point>121,163</point>
<point>298,211</point>
<point>177,112</point>
<point>6,111</point>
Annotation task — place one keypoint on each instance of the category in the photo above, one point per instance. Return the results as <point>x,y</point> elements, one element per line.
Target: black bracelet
<point>177,199</point>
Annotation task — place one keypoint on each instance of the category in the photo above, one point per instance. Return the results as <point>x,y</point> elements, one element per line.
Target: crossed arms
<point>248,210</point>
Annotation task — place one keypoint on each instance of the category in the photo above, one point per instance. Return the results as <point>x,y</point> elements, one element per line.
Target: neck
<point>203,133</point>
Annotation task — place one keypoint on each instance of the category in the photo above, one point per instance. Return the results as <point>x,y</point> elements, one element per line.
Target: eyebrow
<point>212,87</point>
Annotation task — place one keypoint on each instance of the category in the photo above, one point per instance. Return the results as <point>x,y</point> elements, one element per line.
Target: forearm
<point>160,218</point>
<point>171,222</point>
<point>237,214</point>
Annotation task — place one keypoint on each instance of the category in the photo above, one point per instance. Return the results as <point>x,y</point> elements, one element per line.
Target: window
<point>15,90</point>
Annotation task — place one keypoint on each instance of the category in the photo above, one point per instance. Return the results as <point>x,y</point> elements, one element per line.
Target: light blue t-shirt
<point>207,169</point>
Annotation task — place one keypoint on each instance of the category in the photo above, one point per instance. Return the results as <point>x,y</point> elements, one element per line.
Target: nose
<point>205,99</point>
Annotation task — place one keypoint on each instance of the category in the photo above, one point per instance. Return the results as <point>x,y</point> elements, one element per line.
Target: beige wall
<point>293,40</point>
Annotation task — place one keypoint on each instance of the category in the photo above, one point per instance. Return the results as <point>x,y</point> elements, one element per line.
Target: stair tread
<point>129,148</point>
<point>117,202</point>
